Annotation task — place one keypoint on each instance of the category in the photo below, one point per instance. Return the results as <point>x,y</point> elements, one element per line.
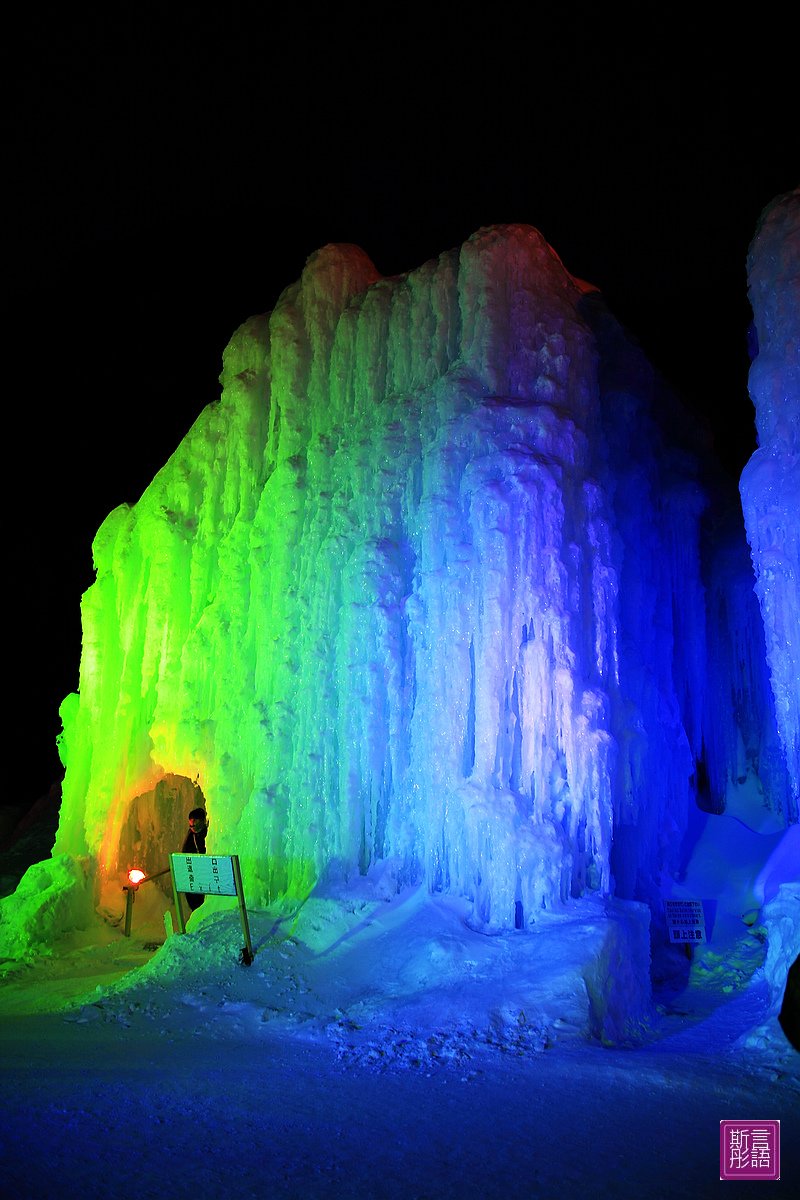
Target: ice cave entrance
<point>155,827</point>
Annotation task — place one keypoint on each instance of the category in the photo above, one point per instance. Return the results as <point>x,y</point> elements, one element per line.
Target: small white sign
<point>209,874</point>
<point>685,920</point>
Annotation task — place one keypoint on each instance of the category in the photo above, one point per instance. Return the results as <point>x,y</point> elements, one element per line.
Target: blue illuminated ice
<point>770,483</point>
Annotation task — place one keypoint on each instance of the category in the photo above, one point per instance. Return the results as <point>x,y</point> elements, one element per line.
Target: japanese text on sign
<point>685,920</point>
<point>208,874</point>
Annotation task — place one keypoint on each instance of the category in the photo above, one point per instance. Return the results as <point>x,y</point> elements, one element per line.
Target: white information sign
<point>685,920</point>
<point>209,874</point>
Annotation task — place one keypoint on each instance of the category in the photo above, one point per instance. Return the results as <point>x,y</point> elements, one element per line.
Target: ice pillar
<point>770,483</point>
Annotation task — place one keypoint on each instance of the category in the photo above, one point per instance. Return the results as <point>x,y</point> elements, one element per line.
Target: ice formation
<point>770,483</point>
<point>419,597</point>
<point>744,759</point>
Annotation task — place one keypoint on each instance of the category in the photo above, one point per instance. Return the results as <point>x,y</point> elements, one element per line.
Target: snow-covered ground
<point>381,1048</point>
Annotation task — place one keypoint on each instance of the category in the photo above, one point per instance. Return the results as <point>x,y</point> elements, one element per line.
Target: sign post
<point>209,875</point>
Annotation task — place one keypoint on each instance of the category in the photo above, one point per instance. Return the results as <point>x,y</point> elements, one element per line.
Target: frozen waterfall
<point>420,596</point>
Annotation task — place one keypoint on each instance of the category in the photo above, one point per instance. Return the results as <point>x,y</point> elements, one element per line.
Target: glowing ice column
<point>418,593</point>
<point>770,483</point>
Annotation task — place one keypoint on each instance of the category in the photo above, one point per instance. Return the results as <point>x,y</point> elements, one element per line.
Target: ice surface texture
<point>422,589</point>
<point>770,483</point>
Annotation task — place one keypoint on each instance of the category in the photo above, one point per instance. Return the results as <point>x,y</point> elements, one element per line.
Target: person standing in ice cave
<point>195,843</point>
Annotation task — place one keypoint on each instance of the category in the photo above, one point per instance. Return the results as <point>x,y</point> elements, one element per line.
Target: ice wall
<point>742,749</point>
<point>770,483</point>
<point>421,594</point>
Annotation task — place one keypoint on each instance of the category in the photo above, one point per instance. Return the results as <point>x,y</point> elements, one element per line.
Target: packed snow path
<point>105,1111</point>
<point>302,1077</point>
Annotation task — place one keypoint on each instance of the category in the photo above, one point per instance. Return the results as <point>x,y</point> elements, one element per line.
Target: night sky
<point>163,196</point>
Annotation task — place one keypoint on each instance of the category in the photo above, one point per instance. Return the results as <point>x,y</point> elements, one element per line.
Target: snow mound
<point>401,982</point>
<point>781,916</point>
<point>52,898</point>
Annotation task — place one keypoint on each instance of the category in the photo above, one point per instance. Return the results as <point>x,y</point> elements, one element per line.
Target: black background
<point>167,184</point>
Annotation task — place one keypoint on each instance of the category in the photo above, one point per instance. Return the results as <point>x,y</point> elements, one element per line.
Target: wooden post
<point>237,875</point>
<point>176,897</point>
<point>128,910</point>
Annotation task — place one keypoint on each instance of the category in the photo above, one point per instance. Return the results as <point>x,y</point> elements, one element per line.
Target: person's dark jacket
<point>194,844</point>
